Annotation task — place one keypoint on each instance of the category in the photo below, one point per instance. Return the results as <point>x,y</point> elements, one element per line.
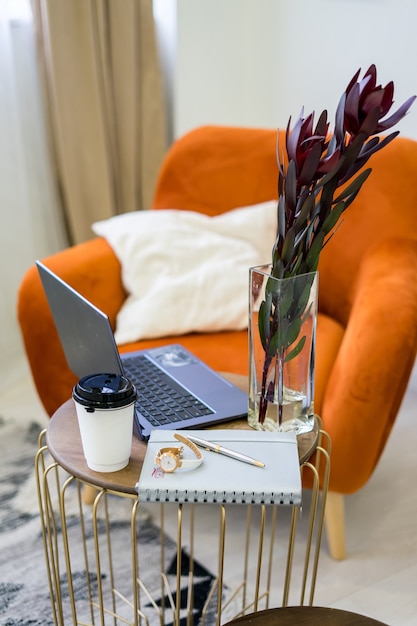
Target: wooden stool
<point>299,615</point>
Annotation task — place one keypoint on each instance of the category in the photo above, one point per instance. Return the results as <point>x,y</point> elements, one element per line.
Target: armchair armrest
<point>374,362</point>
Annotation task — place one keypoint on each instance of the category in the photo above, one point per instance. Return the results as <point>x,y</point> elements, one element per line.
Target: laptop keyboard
<point>160,399</point>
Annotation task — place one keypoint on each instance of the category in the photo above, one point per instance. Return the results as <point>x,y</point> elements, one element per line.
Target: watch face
<point>168,462</point>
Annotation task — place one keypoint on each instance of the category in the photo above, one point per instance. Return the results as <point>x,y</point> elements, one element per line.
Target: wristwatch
<point>170,459</point>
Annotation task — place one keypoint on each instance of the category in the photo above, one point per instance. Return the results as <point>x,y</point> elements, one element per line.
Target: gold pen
<point>215,447</point>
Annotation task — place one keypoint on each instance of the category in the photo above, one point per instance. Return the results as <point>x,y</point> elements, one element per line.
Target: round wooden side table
<point>300,615</point>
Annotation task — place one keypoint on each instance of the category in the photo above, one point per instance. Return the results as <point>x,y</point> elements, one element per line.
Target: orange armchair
<point>367,324</point>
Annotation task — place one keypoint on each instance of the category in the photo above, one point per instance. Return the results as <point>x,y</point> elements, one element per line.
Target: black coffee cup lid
<point>104,391</point>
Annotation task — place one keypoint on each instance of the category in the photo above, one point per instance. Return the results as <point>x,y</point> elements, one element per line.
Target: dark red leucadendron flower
<point>317,164</point>
<point>366,103</point>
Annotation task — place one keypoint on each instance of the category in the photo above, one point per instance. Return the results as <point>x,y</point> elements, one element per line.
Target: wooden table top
<point>311,615</point>
<point>64,443</point>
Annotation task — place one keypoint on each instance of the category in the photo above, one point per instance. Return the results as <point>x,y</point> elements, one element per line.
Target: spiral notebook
<point>223,479</point>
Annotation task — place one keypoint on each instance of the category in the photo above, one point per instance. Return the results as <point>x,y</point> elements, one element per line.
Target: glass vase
<point>282,333</point>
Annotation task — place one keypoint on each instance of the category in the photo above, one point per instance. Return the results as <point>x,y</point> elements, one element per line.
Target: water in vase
<point>297,413</point>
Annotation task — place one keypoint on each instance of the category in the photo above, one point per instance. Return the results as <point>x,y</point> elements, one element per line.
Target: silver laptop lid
<point>85,332</point>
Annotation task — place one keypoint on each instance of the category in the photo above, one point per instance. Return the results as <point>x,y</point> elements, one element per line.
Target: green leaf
<point>264,321</point>
<point>314,252</point>
<point>262,325</point>
<point>291,186</point>
<point>278,340</point>
<point>278,268</point>
<point>326,198</point>
<point>293,331</point>
<point>351,153</point>
<point>302,302</point>
<point>307,209</point>
<point>281,217</point>
<point>280,294</point>
<point>354,186</point>
<point>296,351</point>
<point>273,345</point>
<point>295,269</point>
<point>288,247</point>
<point>333,217</point>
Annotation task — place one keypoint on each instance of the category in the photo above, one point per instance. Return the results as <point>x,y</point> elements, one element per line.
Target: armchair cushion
<point>185,271</point>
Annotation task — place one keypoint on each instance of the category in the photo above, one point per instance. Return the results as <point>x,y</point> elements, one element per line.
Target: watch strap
<point>190,444</point>
<point>190,463</point>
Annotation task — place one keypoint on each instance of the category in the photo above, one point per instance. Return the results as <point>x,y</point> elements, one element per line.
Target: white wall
<point>256,62</point>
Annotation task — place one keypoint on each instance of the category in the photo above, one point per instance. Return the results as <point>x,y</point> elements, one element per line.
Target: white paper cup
<point>105,410</point>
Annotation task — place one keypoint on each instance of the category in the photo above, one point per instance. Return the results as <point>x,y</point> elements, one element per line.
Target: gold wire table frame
<point>83,560</point>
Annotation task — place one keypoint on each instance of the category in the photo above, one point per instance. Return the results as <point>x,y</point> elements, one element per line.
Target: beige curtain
<point>105,105</point>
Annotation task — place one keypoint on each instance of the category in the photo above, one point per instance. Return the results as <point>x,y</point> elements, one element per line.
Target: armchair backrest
<point>213,169</point>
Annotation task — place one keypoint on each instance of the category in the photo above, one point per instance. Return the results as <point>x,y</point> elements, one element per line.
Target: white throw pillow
<point>185,271</point>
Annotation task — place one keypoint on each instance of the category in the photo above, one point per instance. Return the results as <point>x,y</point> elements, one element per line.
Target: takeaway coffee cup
<point>105,409</point>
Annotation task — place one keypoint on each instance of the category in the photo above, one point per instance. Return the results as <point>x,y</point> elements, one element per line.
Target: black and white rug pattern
<point>24,590</point>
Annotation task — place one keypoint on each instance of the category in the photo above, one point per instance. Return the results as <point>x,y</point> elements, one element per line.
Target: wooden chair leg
<point>89,494</point>
<point>334,519</point>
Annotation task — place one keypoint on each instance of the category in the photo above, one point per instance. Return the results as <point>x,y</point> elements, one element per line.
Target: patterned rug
<point>24,591</point>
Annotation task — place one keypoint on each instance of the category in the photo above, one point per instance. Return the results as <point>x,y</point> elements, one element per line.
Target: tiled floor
<point>379,576</point>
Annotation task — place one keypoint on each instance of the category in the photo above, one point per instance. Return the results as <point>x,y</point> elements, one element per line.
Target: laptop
<point>176,390</point>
